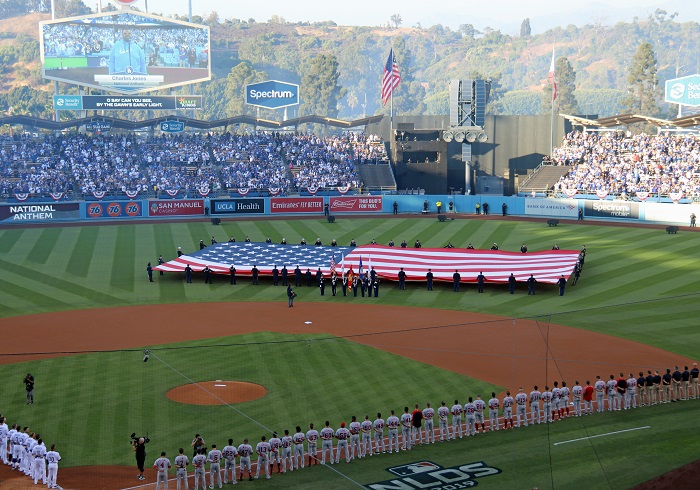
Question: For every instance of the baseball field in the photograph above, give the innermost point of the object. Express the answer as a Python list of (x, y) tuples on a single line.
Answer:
[(77, 311)]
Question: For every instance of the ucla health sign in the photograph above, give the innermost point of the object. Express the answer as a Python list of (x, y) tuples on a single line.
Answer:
[(272, 94), (684, 91)]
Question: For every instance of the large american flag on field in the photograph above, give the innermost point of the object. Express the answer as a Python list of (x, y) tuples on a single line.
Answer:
[(546, 266), (391, 77)]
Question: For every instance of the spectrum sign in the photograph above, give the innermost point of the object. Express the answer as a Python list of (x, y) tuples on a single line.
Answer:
[(272, 94)]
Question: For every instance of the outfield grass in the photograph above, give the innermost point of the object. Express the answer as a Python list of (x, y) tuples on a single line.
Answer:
[(638, 283)]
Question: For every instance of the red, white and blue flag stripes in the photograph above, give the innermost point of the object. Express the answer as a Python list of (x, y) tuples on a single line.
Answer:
[(546, 266), (391, 77)]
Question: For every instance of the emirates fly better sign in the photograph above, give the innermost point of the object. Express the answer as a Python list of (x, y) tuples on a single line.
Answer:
[(684, 91), (272, 94)]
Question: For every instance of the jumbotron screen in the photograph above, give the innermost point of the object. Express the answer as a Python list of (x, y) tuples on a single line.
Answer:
[(125, 52)]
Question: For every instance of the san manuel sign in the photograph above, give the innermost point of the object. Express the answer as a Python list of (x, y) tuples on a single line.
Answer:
[(272, 94), (684, 91)]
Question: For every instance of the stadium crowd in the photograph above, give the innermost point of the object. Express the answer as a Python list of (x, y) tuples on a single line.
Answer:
[(124, 163), (625, 164)]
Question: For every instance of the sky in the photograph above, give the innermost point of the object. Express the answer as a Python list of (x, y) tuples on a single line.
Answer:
[(505, 15)]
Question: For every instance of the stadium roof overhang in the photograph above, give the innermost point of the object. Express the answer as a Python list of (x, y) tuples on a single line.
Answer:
[(686, 122)]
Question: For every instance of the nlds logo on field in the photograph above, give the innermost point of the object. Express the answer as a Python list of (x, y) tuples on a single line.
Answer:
[(425, 474)]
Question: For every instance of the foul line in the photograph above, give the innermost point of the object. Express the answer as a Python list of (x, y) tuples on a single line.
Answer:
[(602, 435)]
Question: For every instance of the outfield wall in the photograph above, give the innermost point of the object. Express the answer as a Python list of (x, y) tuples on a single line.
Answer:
[(366, 204)]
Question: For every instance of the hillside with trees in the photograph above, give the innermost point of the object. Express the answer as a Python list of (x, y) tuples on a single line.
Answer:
[(601, 69)]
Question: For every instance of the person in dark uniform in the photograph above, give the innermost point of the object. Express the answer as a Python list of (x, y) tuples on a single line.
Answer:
[(160, 262), (309, 277), (372, 274), (494, 246), (297, 277), (255, 273), (403, 244), (449, 245), (207, 275), (275, 276), (666, 381), (284, 241), (373, 242), (303, 241), (504, 208), (657, 387), (417, 244), (676, 384), (319, 275), (375, 286), (368, 285), (511, 283), (318, 242), (391, 243), (179, 251), (429, 279), (363, 284), (247, 239), (426, 205), (641, 388), (334, 243), (321, 283), (268, 240), (213, 240), (29, 387), (692, 220), (285, 274), (201, 244), (344, 284), (480, 280), (455, 281), (353, 243), (232, 274), (555, 247), (577, 274), (326, 210), (580, 214), (232, 239), (290, 301), (354, 284), (562, 284), (694, 380), (486, 208), (470, 247), (396, 207), (188, 274), (531, 281), (523, 249), (140, 451), (149, 269), (685, 384), (402, 279), (334, 283)]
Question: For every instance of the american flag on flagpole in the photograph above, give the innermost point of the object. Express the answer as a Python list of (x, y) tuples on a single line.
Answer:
[(552, 78), (332, 268), (391, 77), (546, 266)]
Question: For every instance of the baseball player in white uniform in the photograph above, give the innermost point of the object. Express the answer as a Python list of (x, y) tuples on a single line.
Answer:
[(181, 462), (327, 435), (366, 429), (508, 410), (599, 387), (494, 403), (564, 406), (10, 440), (229, 454), (479, 407), (342, 434), (263, 450), (406, 430), (354, 428), (521, 407), (456, 411), (312, 436), (470, 413), (535, 397), (577, 392), (631, 394), (393, 423), (547, 404), (39, 465), (428, 416), (556, 400), (275, 456), (298, 439), (4, 430), (214, 459), (611, 386), (199, 462), (161, 466), (244, 451), (378, 426), (287, 442), (52, 458), (443, 413)]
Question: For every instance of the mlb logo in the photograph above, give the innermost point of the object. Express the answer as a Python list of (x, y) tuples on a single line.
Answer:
[(414, 468)]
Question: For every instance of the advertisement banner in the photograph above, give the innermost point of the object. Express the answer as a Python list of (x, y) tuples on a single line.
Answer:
[(611, 209), (272, 94), (683, 91), (356, 204), (115, 209), (296, 205), (238, 206), (39, 212), (119, 102), (562, 208), (184, 207)]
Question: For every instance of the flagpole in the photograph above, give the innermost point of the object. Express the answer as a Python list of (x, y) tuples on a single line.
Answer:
[(554, 91), (391, 112)]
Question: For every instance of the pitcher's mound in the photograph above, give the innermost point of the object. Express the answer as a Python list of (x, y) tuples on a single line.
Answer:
[(216, 392)]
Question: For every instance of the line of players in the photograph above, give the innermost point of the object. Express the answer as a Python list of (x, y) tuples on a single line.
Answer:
[(367, 438), (26, 452)]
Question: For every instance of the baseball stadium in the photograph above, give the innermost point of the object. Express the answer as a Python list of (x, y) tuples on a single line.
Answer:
[(245, 279)]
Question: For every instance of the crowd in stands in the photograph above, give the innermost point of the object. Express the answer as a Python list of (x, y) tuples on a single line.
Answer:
[(84, 164), (624, 164)]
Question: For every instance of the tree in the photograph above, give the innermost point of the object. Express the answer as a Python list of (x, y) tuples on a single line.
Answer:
[(319, 90), (71, 8), (565, 77), (525, 29), (468, 31), (352, 101), (240, 76), (642, 86), (396, 20)]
